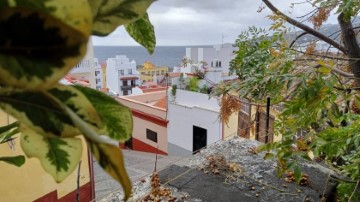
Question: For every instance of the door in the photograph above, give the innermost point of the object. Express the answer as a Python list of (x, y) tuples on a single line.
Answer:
[(244, 125), (128, 143), (261, 127), (199, 138)]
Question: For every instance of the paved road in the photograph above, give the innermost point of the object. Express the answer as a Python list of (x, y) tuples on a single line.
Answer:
[(138, 164)]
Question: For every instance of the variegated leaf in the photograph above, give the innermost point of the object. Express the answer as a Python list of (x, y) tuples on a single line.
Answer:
[(13, 160), (58, 156), (111, 160), (142, 31), (40, 44), (116, 118), (39, 112), (79, 103), (112, 14)]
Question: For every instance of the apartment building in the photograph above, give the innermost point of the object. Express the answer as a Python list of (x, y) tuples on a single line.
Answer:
[(121, 75)]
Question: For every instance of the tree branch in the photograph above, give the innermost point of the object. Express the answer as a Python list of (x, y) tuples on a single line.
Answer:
[(337, 71), (305, 27), (297, 37)]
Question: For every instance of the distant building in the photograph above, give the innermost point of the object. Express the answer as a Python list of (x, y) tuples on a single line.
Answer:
[(150, 122), (121, 75), (149, 72), (99, 79), (86, 68), (215, 61)]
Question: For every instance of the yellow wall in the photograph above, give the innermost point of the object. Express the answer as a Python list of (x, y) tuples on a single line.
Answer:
[(231, 128), (149, 70), (30, 181)]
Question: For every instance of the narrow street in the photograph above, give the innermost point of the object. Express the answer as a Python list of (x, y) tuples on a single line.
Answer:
[(138, 164)]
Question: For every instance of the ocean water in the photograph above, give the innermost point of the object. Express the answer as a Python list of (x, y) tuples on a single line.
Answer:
[(169, 56)]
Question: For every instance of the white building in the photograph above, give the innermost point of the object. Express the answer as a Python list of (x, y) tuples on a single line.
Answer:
[(121, 75), (99, 83), (194, 122), (85, 69), (214, 60)]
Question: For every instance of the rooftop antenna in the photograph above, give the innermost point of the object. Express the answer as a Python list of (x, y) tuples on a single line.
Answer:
[(222, 39)]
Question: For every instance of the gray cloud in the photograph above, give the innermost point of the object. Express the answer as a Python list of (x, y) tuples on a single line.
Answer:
[(203, 22)]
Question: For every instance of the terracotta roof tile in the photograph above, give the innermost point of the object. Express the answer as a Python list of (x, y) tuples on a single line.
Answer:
[(162, 103)]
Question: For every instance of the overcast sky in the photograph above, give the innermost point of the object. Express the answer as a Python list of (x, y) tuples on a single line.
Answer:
[(203, 22)]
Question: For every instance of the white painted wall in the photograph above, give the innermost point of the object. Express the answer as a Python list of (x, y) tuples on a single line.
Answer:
[(193, 99), (98, 73), (192, 109), (192, 54), (113, 75), (85, 69)]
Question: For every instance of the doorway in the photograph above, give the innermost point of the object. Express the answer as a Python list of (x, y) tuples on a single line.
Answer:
[(199, 138)]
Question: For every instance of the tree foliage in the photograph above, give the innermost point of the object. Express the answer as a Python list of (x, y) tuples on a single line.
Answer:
[(317, 89), (40, 41)]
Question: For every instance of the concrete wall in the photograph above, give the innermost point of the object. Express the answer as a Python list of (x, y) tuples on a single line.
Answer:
[(139, 133), (192, 109), (141, 103), (183, 118), (30, 181), (192, 54), (192, 99), (145, 117)]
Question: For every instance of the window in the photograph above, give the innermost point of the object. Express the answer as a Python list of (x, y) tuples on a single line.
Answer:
[(121, 72), (129, 71), (132, 82), (162, 72), (125, 83), (97, 81), (98, 87), (97, 73), (151, 135), (125, 92)]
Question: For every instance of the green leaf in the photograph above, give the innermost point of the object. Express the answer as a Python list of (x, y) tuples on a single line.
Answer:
[(357, 102), (77, 102), (112, 14), (14, 160), (6, 136), (58, 156), (37, 111), (142, 31), (116, 118), (6, 132), (297, 174), (324, 70), (55, 41), (269, 156), (111, 160), (6, 128)]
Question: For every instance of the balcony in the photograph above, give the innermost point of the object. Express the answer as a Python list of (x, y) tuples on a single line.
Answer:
[(129, 87)]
